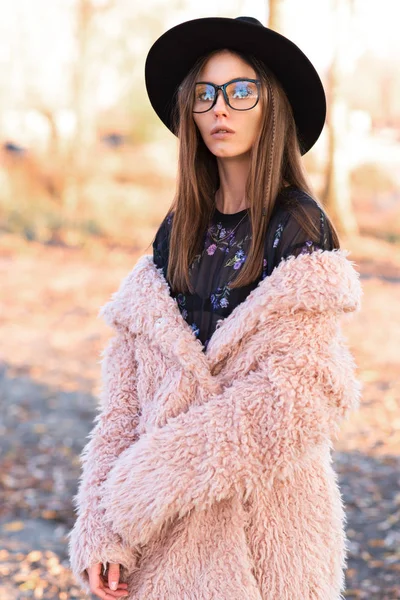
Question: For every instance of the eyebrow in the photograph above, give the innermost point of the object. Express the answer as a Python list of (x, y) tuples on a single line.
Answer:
[(229, 80)]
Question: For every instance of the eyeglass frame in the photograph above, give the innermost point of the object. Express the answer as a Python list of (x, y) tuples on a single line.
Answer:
[(223, 88)]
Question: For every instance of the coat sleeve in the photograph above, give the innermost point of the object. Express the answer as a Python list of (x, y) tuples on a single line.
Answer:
[(91, 540), (257, 429)]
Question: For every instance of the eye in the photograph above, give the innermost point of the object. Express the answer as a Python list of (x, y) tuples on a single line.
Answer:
[(242, 89), (204, 92)]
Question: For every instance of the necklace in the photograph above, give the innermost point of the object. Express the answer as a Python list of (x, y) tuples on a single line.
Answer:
[(219, 240)]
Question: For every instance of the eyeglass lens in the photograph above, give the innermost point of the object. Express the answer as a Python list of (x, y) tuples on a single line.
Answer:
[(242, 95)]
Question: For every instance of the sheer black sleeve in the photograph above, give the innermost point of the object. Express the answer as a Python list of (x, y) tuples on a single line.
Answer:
[(295, 240), (161, 245)]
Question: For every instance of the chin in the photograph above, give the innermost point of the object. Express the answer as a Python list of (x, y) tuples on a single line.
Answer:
[(225, 149), (228, 153)]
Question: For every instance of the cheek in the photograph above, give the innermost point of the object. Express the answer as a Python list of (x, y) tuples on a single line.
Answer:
[(200, 126), (255, 125)]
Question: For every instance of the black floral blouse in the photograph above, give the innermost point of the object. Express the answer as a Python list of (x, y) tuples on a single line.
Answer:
[(225, 248)]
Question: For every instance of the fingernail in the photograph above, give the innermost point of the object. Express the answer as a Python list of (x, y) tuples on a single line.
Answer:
[(113, 585)]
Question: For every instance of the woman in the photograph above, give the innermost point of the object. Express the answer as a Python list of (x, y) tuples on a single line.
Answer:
[(208, 474)]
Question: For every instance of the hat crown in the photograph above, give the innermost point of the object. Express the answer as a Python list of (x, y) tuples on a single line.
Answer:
[(249, 20)]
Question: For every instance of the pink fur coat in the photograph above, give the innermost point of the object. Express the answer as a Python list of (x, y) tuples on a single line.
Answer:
[(208, 475)]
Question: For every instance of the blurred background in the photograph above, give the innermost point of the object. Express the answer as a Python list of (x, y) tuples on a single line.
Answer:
[(87, 172)]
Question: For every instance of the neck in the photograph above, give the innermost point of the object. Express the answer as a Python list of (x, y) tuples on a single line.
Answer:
[(231, 194), (228, 206)]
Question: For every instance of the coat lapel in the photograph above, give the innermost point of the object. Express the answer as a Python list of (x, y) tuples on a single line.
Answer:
[(323, 280)]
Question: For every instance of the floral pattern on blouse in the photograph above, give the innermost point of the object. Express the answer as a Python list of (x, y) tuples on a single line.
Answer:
[(220, 297)]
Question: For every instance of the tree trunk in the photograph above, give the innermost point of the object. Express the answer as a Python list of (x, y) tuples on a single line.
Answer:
[(276, 15), (85, 134), (337, 193)]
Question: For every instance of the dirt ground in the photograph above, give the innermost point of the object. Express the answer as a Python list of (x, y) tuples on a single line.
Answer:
[(50, 344)]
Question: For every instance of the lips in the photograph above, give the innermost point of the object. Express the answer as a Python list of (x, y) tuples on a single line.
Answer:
[(220, 135), (217, 129)]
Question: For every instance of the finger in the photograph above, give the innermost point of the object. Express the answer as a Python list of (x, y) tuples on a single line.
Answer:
[(120, 584), (117, 594), (108, 594), (94, 575), (99, 593), (120, 592), (113, 576), (104, 580), (99, 586), (96, 582)]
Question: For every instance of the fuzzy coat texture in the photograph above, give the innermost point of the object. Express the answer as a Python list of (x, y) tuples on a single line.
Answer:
[(208, 475)]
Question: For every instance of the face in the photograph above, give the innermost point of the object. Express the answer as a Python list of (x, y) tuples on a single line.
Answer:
[(219, 69)]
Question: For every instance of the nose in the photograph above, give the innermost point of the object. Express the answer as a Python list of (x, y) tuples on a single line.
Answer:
[(220, 105)]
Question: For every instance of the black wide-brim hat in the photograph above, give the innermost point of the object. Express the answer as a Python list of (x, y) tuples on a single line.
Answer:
[(174, 53)]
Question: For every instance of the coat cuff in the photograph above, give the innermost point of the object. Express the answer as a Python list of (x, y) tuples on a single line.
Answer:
[(91, 543)]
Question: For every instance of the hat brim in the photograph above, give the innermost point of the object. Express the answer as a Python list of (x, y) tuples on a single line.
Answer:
[(174, 53)]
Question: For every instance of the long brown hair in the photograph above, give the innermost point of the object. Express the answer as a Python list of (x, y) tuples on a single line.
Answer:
[(275, 161)]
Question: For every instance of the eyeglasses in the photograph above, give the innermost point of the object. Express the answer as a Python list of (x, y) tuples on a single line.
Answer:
[(239, 94)]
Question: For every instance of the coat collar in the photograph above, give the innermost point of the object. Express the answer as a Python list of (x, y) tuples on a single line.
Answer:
[(321, 281)]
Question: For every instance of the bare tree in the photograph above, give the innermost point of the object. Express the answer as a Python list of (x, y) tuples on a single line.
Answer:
[(276, 14), (337, 193), (85, 117)]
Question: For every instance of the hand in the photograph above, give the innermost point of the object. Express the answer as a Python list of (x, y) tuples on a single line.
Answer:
[(102, 585)]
